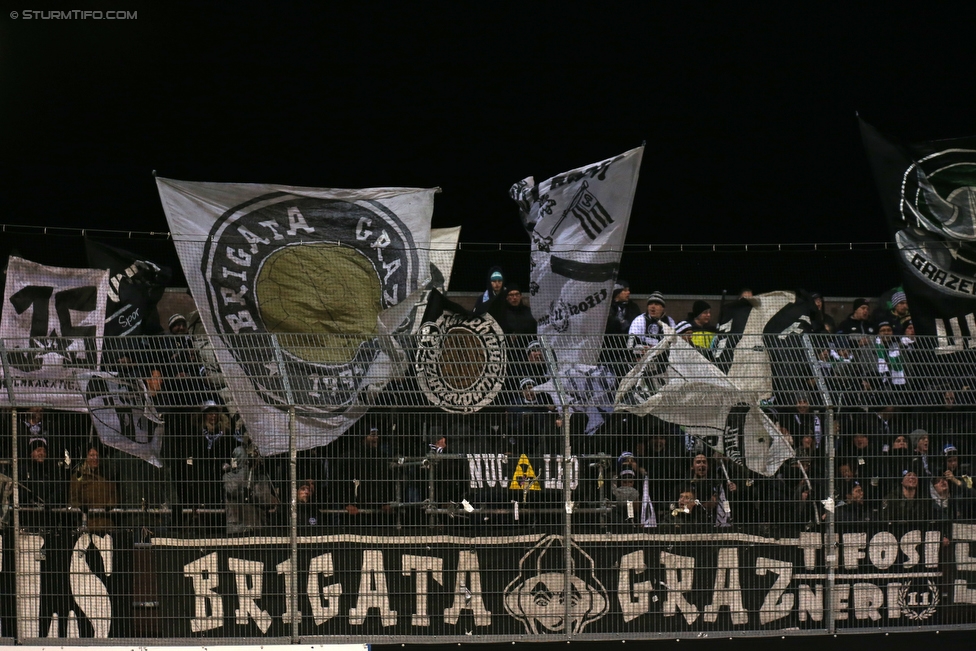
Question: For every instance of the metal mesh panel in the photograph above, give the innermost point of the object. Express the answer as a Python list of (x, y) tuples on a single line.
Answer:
[(473, 486)]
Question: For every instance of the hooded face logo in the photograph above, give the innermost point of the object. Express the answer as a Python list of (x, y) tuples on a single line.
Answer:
[(542, 598)]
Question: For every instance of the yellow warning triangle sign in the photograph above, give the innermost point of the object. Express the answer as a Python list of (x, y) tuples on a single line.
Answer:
[(524, 474)]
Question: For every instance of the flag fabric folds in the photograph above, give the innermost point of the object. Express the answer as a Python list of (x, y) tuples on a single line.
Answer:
[(52, 325), (123, 415), (717, 394), (135, 287), (298, 284), (928, 191), (577, 222)]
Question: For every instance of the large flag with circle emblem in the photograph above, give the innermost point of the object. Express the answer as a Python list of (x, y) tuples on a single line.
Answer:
[(297, 284)]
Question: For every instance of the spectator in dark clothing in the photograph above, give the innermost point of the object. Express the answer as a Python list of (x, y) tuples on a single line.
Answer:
[(905, 505), (623, 311), (198, 446), (921, 463), (827, 323), (250, 497), (365, 485), (44, 485), (687, 511), (307, 507), (854, 508), (858, 326), (960, 484), (515, 318), (496, 287), (531, 420)]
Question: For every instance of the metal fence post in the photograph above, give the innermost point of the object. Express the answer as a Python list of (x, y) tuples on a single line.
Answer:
[(830, 536)]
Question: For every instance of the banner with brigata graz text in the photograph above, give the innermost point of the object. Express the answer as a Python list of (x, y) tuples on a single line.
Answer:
[(603, 586)]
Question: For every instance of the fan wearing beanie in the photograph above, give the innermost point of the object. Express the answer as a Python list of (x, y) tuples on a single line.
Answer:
[(647, 330), (700, 318), (858, 327)]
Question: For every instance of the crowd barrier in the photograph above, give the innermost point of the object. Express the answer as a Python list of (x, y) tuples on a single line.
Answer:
[(457, 484)]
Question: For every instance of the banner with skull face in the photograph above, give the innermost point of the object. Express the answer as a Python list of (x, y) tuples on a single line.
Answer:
[(928, 191), (301, 286)]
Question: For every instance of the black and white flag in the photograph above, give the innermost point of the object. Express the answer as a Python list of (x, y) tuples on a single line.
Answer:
[(928, 191), (135, 287), (577, 222), (297, 283), (52, 326), (718, 400), (123, 415), (460, 358)]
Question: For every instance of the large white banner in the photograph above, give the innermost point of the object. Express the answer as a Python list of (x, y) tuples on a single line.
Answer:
[(577, 222), (52, 324), (443, 246), (299, 284)]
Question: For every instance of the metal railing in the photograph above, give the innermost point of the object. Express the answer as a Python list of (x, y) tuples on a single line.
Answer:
[(767, 485)]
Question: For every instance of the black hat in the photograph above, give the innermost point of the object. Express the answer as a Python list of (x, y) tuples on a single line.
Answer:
[(858, 302), (513, 287), (697, 308), (37, 442)]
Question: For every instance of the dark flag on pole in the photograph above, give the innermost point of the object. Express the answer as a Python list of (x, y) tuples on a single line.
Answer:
[(135, 287), (928, 191)]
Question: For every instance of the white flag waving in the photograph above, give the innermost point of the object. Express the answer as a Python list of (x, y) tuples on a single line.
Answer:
[(577, 221), (53, 321), (296, 282)]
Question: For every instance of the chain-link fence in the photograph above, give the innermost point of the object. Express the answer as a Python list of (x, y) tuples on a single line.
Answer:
[(459, 481)]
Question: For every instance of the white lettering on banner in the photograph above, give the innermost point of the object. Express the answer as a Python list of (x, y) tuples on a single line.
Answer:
[(557, 483), (296, 222), (208, 606), (839, 597), (323, 598), (373, 592), (486, 468), (883, 550), (634, 598), (778, 603), (249, 579), (811, 602), (420, 567), (894, 589), (90, 593), (868, 599), (679, 575), (284, 570), (861, 594), (467, 592), (29, 580), (727, 591), (854, 544)]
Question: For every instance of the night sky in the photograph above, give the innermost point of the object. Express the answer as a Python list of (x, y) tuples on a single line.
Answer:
[(749, 116)]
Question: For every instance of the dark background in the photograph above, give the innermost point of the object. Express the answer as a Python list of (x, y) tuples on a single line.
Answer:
[(748, 113)]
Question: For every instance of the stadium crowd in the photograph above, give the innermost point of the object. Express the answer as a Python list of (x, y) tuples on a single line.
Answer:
[(903, 442)]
